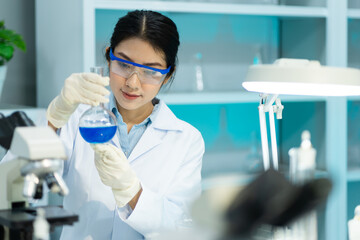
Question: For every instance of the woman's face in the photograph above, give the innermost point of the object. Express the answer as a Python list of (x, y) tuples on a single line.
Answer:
[(130, 93)]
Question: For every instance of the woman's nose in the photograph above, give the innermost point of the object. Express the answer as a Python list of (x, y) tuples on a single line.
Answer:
[(133, 81)]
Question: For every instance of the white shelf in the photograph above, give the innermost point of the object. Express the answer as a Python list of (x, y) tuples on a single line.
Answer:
[(353, 175), (354, 13), (227, 97), (353, 98), (219, 8)]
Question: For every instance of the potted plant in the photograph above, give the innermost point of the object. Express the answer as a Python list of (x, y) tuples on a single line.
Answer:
[(9, 40)]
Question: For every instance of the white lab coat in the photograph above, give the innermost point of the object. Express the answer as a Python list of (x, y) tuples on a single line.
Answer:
[(167, 160)]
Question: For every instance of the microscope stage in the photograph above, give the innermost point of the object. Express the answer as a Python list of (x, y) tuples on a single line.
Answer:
[(23, 218)]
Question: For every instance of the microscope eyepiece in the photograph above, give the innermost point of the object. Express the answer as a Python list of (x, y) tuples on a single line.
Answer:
[(31, 182)]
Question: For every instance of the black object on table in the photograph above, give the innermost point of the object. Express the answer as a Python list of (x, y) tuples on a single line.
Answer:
[(8, 125), (20, 220)]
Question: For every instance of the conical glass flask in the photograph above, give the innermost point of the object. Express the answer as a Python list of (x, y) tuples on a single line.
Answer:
[(97, 124)]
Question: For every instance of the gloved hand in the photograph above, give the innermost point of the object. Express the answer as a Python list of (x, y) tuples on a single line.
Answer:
[(115, 172), (87, 88)]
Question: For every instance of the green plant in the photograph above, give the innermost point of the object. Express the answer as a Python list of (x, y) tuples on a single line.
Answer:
[(8, 41)]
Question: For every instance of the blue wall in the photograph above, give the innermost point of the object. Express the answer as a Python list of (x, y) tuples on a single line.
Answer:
[(232, 133)]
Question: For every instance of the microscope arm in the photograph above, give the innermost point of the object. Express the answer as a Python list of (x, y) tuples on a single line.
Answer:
[(11, 182)]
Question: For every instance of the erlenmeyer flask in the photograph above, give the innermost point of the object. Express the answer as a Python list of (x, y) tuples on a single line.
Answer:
[(97, 124)]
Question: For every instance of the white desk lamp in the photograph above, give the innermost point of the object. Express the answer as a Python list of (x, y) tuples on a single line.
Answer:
[(294, 77)]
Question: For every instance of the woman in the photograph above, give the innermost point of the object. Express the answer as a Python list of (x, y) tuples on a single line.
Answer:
[(145, 179)]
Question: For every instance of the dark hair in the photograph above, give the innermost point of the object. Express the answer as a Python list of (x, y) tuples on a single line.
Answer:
[(153, 27)]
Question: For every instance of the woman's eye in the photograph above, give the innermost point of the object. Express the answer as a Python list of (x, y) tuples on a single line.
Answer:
[(151, 73), (123, 65)]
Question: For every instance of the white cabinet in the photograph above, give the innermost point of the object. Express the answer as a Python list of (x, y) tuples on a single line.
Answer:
[(72, 36)]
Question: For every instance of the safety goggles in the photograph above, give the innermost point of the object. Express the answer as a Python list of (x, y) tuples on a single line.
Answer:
[(146, 74)]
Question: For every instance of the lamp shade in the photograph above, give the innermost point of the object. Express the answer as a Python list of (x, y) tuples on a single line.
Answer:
[(302, 77)]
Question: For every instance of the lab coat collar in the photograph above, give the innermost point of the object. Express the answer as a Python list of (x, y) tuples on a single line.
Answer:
[(164, 120)]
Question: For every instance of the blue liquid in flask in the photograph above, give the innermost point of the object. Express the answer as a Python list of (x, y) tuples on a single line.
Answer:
[(97, 134)]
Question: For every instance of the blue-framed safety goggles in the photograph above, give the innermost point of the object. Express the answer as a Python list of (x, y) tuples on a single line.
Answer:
[(146, 74)]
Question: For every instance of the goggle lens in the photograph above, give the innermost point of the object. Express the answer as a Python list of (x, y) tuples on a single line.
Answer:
[(145, 75)]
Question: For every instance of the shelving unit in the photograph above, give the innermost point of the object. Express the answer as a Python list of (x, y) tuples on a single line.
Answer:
[(317, 33), (278, 11), (353, 175), (80, 29)]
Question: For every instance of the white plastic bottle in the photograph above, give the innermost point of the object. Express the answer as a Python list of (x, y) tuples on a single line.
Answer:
[(302, 170), (198, 74), (354, 225), (258, 57), (41, 226)]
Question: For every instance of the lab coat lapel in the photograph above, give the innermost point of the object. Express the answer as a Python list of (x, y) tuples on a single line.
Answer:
[(164, 121), (149, 140), (116, 140)]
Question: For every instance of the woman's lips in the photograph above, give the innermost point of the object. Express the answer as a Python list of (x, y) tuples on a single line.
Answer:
[(130, 96)]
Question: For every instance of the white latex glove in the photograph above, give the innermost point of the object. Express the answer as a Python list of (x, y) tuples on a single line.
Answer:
[(87, 88), (115, 172)]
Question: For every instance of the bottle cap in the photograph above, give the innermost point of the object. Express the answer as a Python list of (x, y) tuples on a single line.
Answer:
[(357, 211)]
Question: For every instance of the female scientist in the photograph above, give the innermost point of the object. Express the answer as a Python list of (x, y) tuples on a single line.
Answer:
[(145, 179)]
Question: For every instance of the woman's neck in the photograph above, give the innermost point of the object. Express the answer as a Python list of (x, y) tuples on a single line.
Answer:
[(132, 117)]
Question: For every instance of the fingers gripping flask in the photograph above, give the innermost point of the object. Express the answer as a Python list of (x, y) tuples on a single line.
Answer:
[(97, 124)]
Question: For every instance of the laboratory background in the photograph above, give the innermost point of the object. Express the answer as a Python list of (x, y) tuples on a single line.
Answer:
[(220, 39)]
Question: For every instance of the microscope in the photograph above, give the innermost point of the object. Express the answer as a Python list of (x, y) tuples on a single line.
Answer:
[(39, 158)]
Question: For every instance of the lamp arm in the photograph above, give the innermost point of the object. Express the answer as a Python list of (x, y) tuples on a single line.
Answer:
[(264, 140), (267, 106), (273, 139)]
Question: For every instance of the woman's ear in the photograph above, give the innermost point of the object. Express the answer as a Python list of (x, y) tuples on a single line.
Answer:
[(169, 77), (107, 53), (166, 79)]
